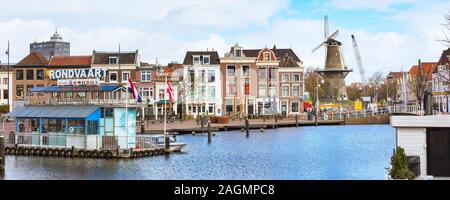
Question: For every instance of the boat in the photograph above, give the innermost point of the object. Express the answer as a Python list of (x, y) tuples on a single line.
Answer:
[(175, 146)]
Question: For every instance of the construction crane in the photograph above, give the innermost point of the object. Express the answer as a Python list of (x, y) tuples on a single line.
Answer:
[(359, 61)]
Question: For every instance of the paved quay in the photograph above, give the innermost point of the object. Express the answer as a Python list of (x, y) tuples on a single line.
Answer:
[(190, 126)]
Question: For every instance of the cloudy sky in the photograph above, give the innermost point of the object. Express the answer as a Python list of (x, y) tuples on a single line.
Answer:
[(392, 34)]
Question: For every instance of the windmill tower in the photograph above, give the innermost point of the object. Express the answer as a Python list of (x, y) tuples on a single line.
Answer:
[(335, 69)]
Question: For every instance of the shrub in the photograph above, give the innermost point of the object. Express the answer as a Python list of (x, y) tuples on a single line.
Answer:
[(4, 109), (399, 164)]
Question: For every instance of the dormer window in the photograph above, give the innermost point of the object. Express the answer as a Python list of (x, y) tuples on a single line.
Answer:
[(266, 56), (237, 53), (206, 60), (113, 60), (196, 59)]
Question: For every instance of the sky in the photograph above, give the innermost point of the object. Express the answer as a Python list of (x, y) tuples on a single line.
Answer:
[(392, 34)]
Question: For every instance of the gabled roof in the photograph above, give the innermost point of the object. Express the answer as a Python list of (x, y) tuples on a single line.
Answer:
[(395, 74), (70, 61), (33, 59), (445, 58), (428, 68), (279, 53), (213, 55), (102, 58)]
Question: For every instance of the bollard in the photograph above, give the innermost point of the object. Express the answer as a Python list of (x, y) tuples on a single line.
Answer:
[(118, 151), (209, 132), (73, 151), (296, 120), (167, 143), (247, 132), (2, 155)]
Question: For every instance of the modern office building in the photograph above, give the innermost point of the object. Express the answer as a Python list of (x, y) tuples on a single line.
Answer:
[(55, 47)]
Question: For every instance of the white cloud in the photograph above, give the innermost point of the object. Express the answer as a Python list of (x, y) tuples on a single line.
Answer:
[(379, 5)]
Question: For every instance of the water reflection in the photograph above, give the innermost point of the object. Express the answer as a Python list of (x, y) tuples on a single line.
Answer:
[(325, 152)]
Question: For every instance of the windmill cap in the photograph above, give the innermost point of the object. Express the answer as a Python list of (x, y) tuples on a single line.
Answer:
[(353, 36)]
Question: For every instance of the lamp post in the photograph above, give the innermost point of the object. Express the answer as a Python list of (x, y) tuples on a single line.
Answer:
[(7, 53), (317, 98)]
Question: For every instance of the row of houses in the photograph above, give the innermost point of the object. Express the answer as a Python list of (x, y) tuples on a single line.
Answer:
[(263, 81), (429, 77)]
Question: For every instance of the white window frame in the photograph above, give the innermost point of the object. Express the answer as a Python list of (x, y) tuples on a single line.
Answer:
[(288, 91), (235, 53), (264, 56), (234, 71), (249, 71), (283, 77), (145, 73), (126, 72), (193, 59), (298, 90), (209, 60), (115, 57)]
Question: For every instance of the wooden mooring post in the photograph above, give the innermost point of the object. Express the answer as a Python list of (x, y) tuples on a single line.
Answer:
[(296, 120), (247, 127), (209, 132), (2, 155)]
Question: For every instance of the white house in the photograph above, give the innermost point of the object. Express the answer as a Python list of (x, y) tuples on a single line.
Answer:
[(6, 85), (202, 83), (427, 137)]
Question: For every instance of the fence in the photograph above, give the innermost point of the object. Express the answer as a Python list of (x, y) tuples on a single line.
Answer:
[(90, 142)]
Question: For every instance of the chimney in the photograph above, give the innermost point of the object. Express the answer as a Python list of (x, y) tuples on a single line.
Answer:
[(52, 53)]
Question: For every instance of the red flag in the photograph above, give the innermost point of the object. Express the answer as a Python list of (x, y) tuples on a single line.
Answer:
[(169, 90)]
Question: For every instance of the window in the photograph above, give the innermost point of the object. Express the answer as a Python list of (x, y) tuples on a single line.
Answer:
[(230, 71), (206, 60), (109, 112), (294, 106), (246, 87), (295, 77), (266, 56), (211, 76), (151, 93), (19, 74), (262, 74), (231, 89), (40, 74), (211, 92), (125, 76), (262, 90), (113, 76), (113, 60), (19, 90), (272, 74), (29, 87), (145, 76), (5, 81), (196, 59), (285, 77), (211, 108), (229, 105), (145, 92), (5, 94), (161, 93), (272, 90), (296, 91), (285, 91), (238, 53), (246, 71), (191, 75)]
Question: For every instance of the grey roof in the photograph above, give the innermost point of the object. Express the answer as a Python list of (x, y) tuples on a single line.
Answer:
[(54, 111)]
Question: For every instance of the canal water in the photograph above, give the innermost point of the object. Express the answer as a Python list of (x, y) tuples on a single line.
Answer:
[(305, 153)]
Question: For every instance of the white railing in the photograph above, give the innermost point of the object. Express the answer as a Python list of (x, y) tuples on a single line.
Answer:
[(90, 142), (408, 109)]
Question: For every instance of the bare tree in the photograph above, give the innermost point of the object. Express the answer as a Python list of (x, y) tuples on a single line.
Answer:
[(446, 39), (418, 83)]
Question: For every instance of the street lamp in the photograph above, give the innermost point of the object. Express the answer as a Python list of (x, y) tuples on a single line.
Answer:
[(317, 97)]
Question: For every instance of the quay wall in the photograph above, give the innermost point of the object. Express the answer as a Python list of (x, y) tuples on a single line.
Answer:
[(380, 119)]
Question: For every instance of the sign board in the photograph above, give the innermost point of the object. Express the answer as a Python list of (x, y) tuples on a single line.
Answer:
[(366, 99), (77, 73), (78, 82)]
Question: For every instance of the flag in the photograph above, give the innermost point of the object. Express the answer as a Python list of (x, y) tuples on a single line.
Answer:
[(133, 90), (169, 91)]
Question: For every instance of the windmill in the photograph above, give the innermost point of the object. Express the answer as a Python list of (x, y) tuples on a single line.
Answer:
[(335, 69)]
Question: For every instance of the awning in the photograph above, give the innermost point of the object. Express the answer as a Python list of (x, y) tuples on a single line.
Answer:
[(53, 111), (102, 88)]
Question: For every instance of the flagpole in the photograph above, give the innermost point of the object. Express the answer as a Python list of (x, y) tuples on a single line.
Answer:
[(165, 115), (9, 91)]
